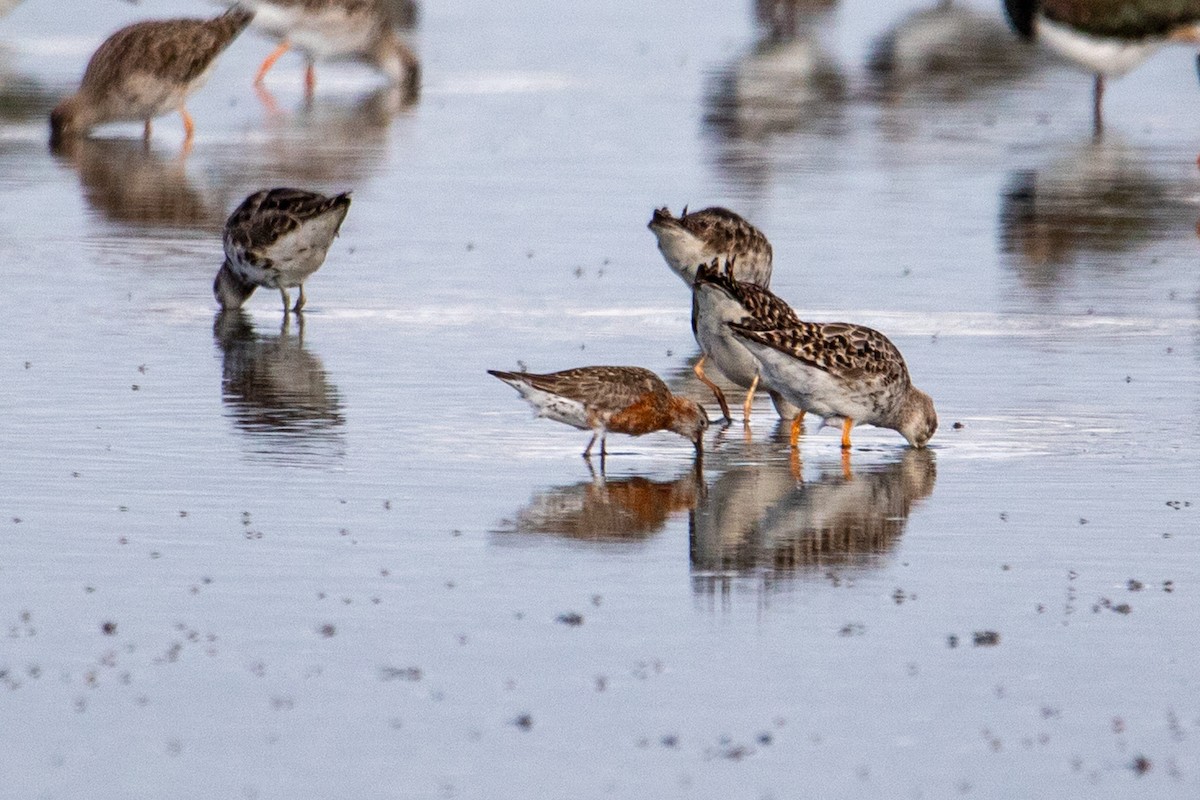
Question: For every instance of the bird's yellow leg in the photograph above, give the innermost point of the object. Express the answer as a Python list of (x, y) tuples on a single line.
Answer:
[(749, 398), (270, 60), (716, 390), (847, 424)]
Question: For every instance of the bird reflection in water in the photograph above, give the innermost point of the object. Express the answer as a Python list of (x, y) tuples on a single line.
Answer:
[(1092, 206), (277, 392), (758, 521), (125, 181), (327, 143), (608, 510), (787, 83), (946, 52)]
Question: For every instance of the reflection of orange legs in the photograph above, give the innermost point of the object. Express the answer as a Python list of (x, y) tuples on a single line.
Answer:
[(847, 424), (270, 60), (846, 474), (796, 465), (797, 429), (699, 370), (189, 129), (749, 398)]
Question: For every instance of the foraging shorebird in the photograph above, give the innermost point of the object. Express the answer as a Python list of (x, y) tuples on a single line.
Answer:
[(146, 70), (628, 400), (843, 373), (331, 30), (692, 239), (1108, 37), (718, 299), (277, 238)]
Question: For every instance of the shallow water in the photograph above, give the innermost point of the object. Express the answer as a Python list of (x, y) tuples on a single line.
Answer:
[(332, 557)]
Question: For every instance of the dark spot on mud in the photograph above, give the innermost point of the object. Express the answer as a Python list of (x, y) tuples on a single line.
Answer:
[(109, 628), (524, 722), (1141, 765), (958, 426), (570, 618), (411, 674), (1135, 585), (327, 630), (985, 638)]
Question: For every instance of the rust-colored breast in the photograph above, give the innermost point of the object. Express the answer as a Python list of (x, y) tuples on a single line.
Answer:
[(644, 415)]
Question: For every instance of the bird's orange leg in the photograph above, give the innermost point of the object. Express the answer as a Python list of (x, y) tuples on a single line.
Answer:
[(847, 424), (699, 370), (797, 429), (749, 399), (270, 60)]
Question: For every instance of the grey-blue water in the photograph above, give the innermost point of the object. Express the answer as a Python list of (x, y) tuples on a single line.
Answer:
[(333, 558)]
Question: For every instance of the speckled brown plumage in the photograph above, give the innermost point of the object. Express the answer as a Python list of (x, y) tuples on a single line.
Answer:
[(336, 29), (845, 372), (276, 238), (764, 310), (840, 348), (629, 400), (719, 298), (693, 239), (145, 70)]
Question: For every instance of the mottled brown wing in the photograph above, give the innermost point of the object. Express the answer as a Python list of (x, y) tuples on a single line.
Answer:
[(177, 50), (1120, 18), (266, 216), (842, 349), (764, 309), (604, 389)]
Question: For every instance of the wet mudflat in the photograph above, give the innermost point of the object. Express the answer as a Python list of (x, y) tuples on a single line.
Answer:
[(244, 557)]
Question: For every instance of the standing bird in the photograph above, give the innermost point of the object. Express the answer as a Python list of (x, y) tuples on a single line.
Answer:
[(718, 299), (146, 70), (1109, 37), (692, 239), (331, 30), (277, 238), (843, 372), (627, 400)]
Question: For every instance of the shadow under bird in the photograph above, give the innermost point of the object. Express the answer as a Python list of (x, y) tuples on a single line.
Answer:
[(843, 373), (718, 299), (146, 70), (1108, 37), (629, 400), (692, 239), (277, 238), (333, 30)]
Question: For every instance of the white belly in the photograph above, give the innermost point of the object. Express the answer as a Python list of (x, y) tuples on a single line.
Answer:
[(1106, 56), (812, 389), (555, 407)]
